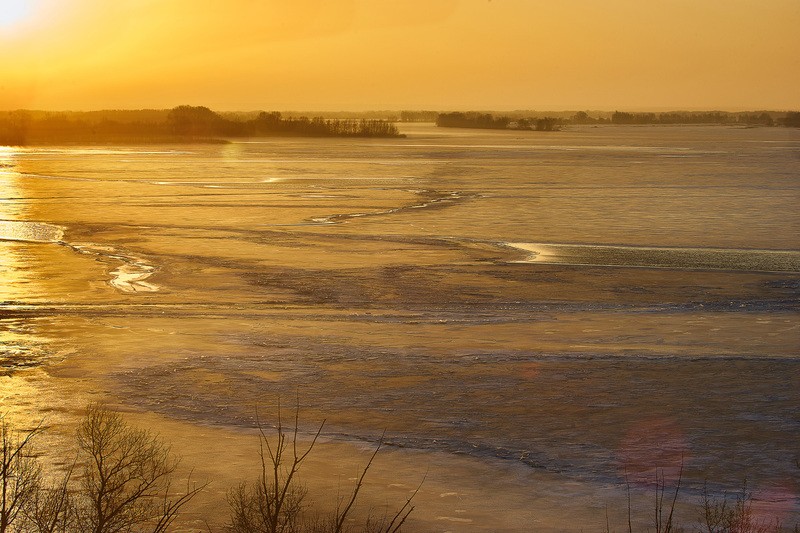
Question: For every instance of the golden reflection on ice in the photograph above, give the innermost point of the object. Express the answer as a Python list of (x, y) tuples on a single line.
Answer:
[(232, 151), (15, 395), (6, 174), (12, 230), (11, 276), (15, 278), (10, 269), (12, 208), (129, 277)]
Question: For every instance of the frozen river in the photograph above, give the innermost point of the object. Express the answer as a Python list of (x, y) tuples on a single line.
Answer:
[(555, 311)]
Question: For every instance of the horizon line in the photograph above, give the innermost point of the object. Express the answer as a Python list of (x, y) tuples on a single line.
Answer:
[(548, 109)]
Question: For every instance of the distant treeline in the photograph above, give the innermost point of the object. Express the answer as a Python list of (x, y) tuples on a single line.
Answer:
[(181, 124), (391, 116), (516, 121), (418, 116), (709, 117), (489, 121), (201, 122)]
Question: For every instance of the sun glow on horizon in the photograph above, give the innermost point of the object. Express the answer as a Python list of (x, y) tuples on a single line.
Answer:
[(14, 12), (363, 54)]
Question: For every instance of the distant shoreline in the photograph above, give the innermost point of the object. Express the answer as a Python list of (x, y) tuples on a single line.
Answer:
[(200, 125), (182, 124), (547, 122)]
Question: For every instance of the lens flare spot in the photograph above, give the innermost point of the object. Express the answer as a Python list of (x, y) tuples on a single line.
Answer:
[(653, 451)]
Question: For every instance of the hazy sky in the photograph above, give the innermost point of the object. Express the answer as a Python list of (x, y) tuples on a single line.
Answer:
[(400, 54)]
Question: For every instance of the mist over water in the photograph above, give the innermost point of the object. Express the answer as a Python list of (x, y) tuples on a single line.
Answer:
[(592, 303)]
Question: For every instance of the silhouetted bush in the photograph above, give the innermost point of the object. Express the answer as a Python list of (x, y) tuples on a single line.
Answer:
[(20, 475), (125, 474), (125, 483), (274, 503), (127, 477)]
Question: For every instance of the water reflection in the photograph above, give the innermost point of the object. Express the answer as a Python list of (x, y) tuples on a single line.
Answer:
[(8, 177), (21, 344), (15, 352), (10, 269)]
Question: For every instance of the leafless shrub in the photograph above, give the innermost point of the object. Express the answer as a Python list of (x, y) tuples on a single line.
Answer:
[(51, 508), (121, 482), (20, 473), (721, 515), (666, 525), (126, 477), (372, 525), (275, 502)]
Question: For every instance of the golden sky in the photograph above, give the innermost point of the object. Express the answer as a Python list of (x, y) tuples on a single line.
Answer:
[(400, 54)]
